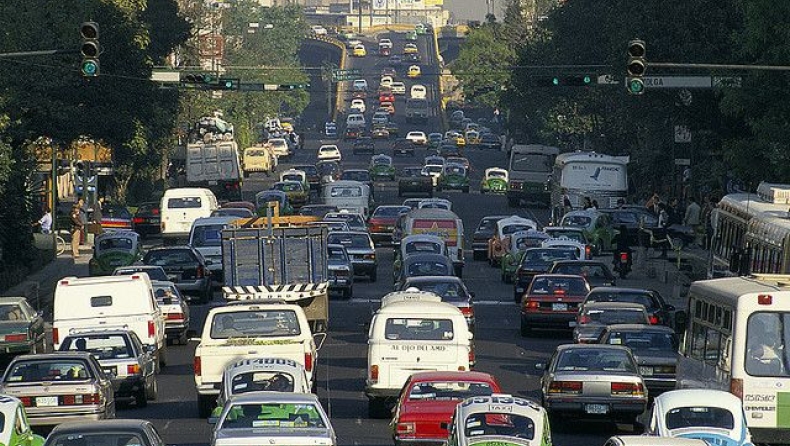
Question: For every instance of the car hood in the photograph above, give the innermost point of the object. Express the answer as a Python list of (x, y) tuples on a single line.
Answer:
[(430, 410), (718, 437), (289, 436), (499, 440)]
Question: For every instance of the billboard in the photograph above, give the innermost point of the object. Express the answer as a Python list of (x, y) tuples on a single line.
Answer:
[(405, 4)]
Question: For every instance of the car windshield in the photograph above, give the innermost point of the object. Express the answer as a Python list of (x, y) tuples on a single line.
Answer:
[(579, 221), (269, 197), (449, 291), (581, 359), (448, 390), (168, 257), (585, 269), (412, 172), (327, 168), (273, 416), (433, 169), (546, 256), (147, 208), (12, 313), (255, 324), (644, 340), (497, 174), (511, 229), (57, 370), (350, 241), (415, 329), (558, 285), (389, 211), (103, 438), (288, 187), (699, 416), (423, 248), (121, 243), (500, 424), (523, 243), (345, 191), (428, 268), (337, 254), (382, 161), (292, 177), (572, 235), (630, 297), (184, 203), (207, 235), (232, 212), (454, 170), (101, 346), (256, 152), (261, 380), (611, 316), (164, 291), (531, 162), (308, 170), (356, 175), (487, 224), (768, 341)]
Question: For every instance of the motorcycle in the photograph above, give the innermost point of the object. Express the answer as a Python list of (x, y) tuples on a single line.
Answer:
[(622, 263)]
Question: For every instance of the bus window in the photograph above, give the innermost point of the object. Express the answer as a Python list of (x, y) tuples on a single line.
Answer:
[(767, 335)]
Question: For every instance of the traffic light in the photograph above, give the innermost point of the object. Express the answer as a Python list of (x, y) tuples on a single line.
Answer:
[(90, 49), (636, 67), (291, 87), (228, 84), (199, 78)]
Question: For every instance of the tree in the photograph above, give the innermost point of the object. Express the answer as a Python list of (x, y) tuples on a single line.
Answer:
[(483, 65)]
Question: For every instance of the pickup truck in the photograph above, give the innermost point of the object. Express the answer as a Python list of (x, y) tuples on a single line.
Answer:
[(249, 329)]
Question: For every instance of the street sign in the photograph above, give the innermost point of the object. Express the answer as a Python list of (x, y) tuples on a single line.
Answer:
[(608, 79), (682, 162), (682, 134), (677, 82), (341, 73)]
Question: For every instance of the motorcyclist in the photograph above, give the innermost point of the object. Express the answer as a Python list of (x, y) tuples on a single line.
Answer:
[(622, 244)]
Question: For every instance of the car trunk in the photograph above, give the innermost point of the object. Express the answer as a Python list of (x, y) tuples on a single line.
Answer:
[(52, 398), (428, 417), (214, 358)]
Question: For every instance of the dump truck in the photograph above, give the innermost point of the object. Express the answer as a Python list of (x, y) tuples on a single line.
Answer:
[(212, 159), (278, 258)]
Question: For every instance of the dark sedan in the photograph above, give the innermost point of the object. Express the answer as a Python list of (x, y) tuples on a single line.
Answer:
[(485, 230), (317, 210), (382, 222), (659, 312), (536, 261), (116, 216), (360, 249), (364, 145), (404, 147), (146, 220), (185, 267), (412, 181), (424, 265), (21, 327), (655, 349), (115, 432), (596, 272), (490, 141)]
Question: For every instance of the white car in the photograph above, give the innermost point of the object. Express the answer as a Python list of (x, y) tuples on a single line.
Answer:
[(386, 81), (273, 418), (418, 138), (385, 43), (353, 42), (715, 416), (329, 152), (359, 85), (434, 171), (357, 106), (419, 92), (398, 88), (435, 203), (318, 30), (499, 419)]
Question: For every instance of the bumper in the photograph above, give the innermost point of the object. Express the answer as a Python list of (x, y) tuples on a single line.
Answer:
[(614, 408), (197, 286), (53, 418), (364, 267), (127, 387), (175, 330), (379, 392), (207, 389), (381, 236), (559, 319), (419, 440), (147, 228), (340, 284), (217, 273), (659, 385), (770, 436), (16, 348)]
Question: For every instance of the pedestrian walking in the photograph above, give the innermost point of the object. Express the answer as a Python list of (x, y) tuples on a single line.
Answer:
[(663, 223), (76, 229), (692, 218), (652, 203), (45, 222)]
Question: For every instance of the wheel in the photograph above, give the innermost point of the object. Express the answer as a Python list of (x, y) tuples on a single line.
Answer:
[(205, 404), (377, 408), (152, 392), (373, 276), (141, 398), (526, 330)]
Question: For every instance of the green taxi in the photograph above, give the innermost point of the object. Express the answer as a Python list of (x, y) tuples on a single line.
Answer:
[(597, 226), (296, 175), (420, 29), (411, 36), (16, 429), (519, 243), (453, 176), (381, 167), (295, 191), (494, 181), (113, 249)]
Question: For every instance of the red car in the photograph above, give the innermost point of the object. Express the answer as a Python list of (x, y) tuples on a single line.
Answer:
[(382, 222), (426, 403), (552, 301), (386, 96)]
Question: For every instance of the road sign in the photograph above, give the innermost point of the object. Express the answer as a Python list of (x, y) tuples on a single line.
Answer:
[(682, 134), (341, 73), (608, 79), (677, 82), (682, 162)]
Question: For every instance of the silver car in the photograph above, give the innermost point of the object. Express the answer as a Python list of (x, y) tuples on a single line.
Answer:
[(175, 309), (341, 271), (278, 418), (60, 387), (360, 248), (593, 381), (655, 348), (595, 316)]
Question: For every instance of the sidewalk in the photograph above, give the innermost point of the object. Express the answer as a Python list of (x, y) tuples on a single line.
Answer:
[(39, 287), (664, 276)]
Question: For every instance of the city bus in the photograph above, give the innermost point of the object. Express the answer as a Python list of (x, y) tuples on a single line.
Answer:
[(738, 340), (529, 172)]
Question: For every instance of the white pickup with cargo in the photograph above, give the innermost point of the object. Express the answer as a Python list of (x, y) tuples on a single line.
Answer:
[(413, 331), (244, 330), (107, 303)]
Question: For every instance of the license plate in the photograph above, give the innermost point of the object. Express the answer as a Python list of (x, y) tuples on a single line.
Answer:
[(596, 409), (212, 183), (646, 371), (415, 183), (46, 401), (173, 277), (559, 307), (402, 151)]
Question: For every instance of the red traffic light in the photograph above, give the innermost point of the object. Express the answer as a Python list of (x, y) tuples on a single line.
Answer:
[(636, 48), (89, 30)]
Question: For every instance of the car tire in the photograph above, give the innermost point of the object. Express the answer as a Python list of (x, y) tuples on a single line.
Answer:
[(525, 330), (205, 405), (152, 392), (377, 408)]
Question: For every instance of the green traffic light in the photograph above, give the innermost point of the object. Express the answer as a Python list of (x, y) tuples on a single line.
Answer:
[(89, 68), (587, 79), (555, 81), (636, 86)]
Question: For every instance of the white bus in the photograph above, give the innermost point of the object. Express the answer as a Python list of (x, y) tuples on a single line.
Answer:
[(738, 340)]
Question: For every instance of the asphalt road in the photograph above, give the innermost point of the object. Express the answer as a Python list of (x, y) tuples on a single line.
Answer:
[(342, 360)]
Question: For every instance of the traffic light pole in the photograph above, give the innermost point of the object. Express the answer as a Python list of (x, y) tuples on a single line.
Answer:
[(711, 66), (36, 53)]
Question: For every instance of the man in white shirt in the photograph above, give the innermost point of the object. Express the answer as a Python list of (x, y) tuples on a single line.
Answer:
[(45, 221)]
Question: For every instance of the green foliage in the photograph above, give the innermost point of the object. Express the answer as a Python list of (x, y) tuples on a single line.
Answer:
[(483, 64)]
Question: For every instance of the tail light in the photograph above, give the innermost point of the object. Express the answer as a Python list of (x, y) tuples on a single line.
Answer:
[(132, 369), (404, 428), (197, 366), (624, 257), (26, 401), (468, 311), (200, 272), (138, 220), (374, 373), (736, 387), (631, 389), (175, 316), (588, 251), (151, 329), (308, 362), (531, 305), (55, 337), (17, 337), (75, 400), (559, 291), (155, 211), (653, 320), (574, 387), (584, 319), (370, 257)]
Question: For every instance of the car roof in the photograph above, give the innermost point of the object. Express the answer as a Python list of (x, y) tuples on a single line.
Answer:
[(452, 376), (432, 213), (274, 397), (422, 238), (417, 279), (699, 397), (54, 355), (420, 308), (649, 440), (11, 300), (617, 305), (579, 262), (519, 405), (558, 276), (98, 331), (564, 347), (430, 257), (215, 220), (641, 327), (105, 425), (264, 363), (617, 289)]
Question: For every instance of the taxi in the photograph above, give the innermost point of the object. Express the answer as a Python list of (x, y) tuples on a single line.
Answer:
[(381, 166), (414, 71), (294, 190), (411, 36), (495, 181), (114, 249), (261, 374), (410, 48), (296, 175), (16, 431), (597, 227), (519, 243), (501, 420), (472, 137), (499, 243), (359, 51), (715, 416), (582, 251)]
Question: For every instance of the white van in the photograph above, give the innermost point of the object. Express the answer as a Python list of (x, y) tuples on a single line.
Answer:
[(109, 302), (206, 238), (413, 331), (180, 208), (418, 92), (352, 196), (355, 120)]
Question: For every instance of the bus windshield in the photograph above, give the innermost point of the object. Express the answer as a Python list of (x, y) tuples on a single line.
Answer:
[(531, 162), (768, 338)]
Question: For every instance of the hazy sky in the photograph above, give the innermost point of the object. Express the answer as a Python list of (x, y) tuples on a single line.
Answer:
[(464, 10)]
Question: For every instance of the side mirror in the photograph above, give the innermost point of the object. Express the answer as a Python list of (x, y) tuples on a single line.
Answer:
[(150, 348), (213, 420), (319, 339), (540, 366)]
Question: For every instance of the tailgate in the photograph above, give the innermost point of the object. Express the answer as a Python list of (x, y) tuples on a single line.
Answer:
[(214, 359), (402, 360)]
